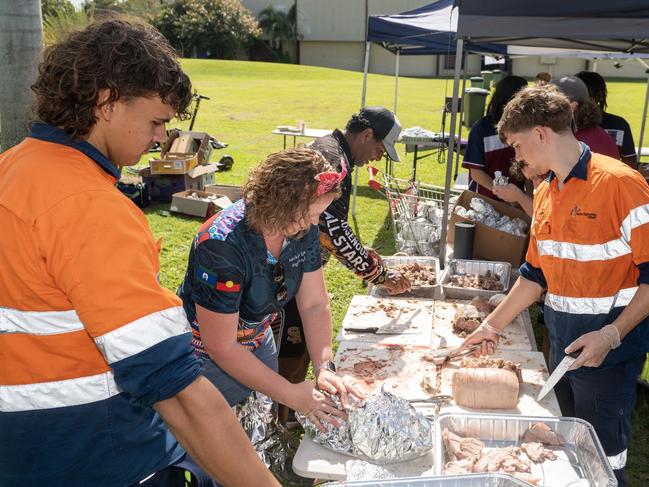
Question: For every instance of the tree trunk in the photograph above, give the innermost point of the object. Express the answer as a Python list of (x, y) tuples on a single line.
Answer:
[(21, 45)]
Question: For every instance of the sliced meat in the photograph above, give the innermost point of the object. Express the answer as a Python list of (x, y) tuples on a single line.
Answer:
[(484, 383), (458, 467), (471, 448), (537, 452), (418, 274), (542, 433), (508, 459), (489, 281), (452, 443)]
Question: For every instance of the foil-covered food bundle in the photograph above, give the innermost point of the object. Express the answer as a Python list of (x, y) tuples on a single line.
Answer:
[(483, 212), (383, 429), (272, 442), (499, 179)]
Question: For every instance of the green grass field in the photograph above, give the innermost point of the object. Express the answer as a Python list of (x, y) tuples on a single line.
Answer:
[(248, 100)]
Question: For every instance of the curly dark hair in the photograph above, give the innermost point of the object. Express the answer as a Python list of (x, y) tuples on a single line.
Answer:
[(543, 105), (357, 123), (587, 115), (280, 190), (128, 58)]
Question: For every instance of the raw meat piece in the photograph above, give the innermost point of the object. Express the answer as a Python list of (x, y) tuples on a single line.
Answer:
[(537, 453), (486, 384), (541, 432)]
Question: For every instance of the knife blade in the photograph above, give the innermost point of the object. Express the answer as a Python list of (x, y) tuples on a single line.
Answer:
[(558, 373)]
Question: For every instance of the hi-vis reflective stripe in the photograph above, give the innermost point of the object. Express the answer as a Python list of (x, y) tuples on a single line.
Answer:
[(38, 322), (604, 251), (636, 217), (58, 394), (618, 461), (143, 333), (589, 306), (583, 252)]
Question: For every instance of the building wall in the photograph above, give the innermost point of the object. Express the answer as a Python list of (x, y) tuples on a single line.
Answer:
[(333, 33)]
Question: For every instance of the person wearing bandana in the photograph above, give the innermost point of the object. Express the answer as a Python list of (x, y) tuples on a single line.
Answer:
[(245, 264), (368, 136)]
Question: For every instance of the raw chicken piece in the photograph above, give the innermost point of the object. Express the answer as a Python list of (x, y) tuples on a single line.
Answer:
[(541, 432), (537, 452)]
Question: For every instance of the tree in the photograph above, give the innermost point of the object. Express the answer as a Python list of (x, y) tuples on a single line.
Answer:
[(50, 8), (207, 28), (21, 42), (59, 25), (280, 26)]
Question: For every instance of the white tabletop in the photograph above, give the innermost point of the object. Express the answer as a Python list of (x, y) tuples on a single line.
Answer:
[(312, 133)]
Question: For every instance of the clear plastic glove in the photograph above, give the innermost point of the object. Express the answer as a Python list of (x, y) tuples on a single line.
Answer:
[(510, 193), (329, 382), (486, 338), (396, 283), (308, 400), (594, 348)]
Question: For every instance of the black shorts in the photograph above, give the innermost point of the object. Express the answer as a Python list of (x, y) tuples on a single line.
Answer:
[(289, 324)]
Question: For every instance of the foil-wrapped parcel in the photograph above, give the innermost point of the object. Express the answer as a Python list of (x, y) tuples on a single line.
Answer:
[(383, 429), (483, 212)]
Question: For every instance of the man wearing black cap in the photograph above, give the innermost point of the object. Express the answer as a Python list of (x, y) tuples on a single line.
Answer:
[(368, 135)]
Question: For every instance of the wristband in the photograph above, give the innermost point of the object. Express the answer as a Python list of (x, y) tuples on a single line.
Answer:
[(326, 365), (612, 334)]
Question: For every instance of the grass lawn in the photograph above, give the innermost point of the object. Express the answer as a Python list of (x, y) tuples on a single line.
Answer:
[(248, 100)]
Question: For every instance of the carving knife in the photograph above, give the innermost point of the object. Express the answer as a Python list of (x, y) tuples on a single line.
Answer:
[(558, 373)]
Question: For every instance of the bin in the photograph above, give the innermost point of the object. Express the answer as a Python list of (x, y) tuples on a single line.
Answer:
[(487, 76), (474, 105), (477, 82), (496, 76)]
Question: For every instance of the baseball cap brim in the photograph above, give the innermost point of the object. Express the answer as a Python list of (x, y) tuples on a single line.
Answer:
[(390, 149), (390, 139)]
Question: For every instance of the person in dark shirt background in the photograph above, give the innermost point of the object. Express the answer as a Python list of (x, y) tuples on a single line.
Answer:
[(617, 127)]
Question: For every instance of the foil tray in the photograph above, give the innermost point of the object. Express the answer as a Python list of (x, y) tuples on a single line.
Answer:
[(477, 480), (421, 292), (581, 460), (459, 266)]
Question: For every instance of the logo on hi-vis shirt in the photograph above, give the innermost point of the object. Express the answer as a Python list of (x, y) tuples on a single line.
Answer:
[(578, 212)]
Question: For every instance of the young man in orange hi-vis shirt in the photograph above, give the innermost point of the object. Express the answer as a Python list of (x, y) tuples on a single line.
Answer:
[(589, 248), (96, 363)]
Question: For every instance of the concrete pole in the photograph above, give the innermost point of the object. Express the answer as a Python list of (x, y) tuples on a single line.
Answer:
[(21, 45)]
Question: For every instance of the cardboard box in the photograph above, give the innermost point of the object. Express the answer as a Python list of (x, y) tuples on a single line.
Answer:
[(182, 203), (171, 162), (232, 192), (490, 243), (162, 187)]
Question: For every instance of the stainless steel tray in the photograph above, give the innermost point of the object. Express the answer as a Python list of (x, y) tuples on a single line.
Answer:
[(477, 480), (581, 457), (422, 292), (459, 266)]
